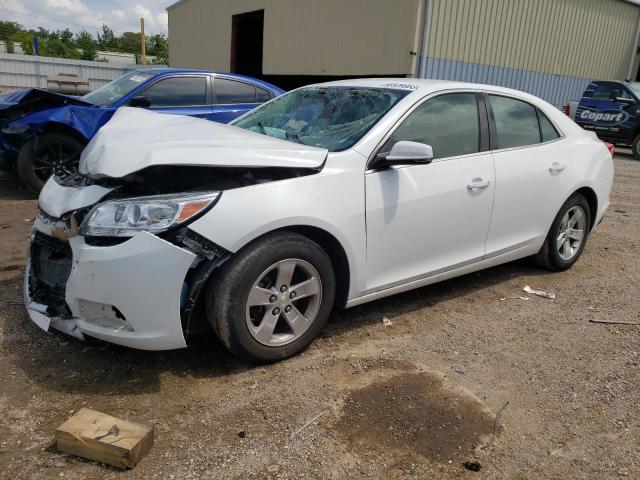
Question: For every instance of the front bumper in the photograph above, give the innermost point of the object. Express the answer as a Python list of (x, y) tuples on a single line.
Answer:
[(128, 294)]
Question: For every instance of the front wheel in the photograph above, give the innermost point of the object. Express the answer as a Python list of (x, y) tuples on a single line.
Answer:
[(46, 155), (272, 299), (567, 236)]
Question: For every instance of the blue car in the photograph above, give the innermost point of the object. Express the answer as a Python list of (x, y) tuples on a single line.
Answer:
[(44, 132)]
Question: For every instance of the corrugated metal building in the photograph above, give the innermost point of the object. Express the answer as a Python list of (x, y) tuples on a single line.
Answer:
[(550, 48)]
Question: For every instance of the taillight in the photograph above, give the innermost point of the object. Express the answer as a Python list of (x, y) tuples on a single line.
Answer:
[(610, 147), (566, 109)]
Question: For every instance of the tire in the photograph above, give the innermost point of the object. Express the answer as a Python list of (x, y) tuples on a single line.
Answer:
[(556, 254), (39, 157), (259, 267), (635, 148)]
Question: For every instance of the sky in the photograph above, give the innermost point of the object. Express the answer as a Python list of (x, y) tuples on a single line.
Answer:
[(89, 15)]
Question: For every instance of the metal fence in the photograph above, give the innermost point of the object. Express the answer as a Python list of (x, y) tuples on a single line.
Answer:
[(21, 71)]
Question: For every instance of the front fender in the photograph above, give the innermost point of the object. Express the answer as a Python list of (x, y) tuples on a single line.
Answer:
[(330, 200)]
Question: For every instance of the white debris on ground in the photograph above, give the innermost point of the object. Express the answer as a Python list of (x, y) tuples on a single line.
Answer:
[(539, 293)]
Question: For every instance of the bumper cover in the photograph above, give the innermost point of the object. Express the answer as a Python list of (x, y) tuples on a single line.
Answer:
[(128, 294)]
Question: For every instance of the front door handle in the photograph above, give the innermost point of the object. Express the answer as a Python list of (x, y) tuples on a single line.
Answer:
[(556, 167), (478, 184)]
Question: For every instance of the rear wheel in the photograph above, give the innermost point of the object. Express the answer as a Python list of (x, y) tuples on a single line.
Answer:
[(272, 299), (567, 236), (635, 147), (45, 155)]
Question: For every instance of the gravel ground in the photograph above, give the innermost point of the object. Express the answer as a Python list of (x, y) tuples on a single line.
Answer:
[(414, 399)]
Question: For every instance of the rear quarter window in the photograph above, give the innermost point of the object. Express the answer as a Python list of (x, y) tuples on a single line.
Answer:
[(262, 95), (547, 131)]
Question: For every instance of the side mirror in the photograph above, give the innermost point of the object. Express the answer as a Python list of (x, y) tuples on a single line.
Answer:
[(140, 102), (613, 95), (409, 153)]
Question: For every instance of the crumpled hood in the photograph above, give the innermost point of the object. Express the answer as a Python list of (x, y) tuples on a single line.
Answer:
[(135, 139), (30, 99)]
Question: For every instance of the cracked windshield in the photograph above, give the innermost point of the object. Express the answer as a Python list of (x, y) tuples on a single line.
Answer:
[(334, 118)]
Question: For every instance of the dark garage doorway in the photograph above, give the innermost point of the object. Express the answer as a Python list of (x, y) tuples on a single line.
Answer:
[(246, 43)]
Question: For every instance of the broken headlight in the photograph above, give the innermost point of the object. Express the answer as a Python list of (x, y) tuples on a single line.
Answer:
[(153, 214)]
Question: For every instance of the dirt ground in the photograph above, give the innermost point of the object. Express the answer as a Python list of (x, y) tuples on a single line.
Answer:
[(414, 399)]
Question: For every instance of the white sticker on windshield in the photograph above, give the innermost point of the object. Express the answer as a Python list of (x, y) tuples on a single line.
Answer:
[(138, 78)]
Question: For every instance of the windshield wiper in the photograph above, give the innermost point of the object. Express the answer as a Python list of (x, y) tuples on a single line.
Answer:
[(262, 129), (293, 136)]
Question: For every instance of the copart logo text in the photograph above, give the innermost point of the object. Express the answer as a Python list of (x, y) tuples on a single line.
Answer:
[(605, 117)]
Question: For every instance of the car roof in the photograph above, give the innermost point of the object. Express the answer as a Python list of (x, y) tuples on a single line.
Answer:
[(171, 71), (422, 86), (609, 81)]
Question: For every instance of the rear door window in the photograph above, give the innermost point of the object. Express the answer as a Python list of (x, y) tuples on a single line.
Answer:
[(231, 91), (516, 122), (178, 92), (602, 92), (449, 123)]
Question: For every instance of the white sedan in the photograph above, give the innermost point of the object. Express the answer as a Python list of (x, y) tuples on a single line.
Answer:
[(331, 195)]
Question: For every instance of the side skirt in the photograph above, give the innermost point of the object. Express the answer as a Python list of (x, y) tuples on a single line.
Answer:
[(516, 254)]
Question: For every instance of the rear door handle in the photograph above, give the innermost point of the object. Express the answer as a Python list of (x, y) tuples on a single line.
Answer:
[(478, 184), (556, 167)]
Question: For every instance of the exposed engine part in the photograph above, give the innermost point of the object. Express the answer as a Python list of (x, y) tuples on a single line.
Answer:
[(173, 179), (51, 261), (200, 245), (210, 256)]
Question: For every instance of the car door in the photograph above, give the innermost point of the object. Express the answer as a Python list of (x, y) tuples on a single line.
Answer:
[(425, 219), (533, 174), (232, 98), (180, 95)]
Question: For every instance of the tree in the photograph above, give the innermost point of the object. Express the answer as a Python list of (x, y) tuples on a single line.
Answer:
[(65, 44), (87, 45), (66, 36), (158, 46), (26, 42), (9, 29), (107, 41), (8, 33), (129, 42), (54, 47)]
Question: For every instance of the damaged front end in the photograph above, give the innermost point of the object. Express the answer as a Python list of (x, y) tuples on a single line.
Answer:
[(27, 112), (162, 181), (141, 289), (112, 253)]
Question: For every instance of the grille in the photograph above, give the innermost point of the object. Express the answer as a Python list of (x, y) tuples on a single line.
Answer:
[(50, 269)]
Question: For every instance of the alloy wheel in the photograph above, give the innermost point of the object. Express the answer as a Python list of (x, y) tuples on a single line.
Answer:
[(283, 302), (57, 159), (571, 233)]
